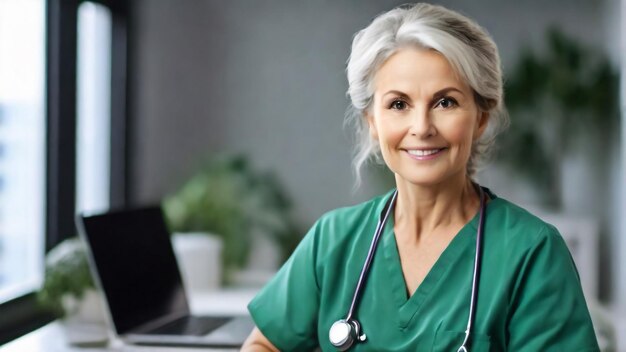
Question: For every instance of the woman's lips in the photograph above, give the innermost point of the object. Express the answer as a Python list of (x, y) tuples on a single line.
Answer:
[(424, 154)]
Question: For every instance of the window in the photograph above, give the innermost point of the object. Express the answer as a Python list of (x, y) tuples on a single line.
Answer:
[(63, 135), (93, 108), (22, 146)]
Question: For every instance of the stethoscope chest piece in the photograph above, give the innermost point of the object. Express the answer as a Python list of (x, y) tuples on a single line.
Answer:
[(343, 333)]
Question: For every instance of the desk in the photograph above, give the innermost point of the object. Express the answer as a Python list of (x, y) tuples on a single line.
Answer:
[(51, 338)]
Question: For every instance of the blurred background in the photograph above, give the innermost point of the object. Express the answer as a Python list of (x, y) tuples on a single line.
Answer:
[(230, 114)]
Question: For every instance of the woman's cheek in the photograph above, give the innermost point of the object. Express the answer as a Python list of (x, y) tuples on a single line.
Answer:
[(460, 131)]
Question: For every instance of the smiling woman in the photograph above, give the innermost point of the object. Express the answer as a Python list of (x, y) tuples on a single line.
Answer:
[(450, 266)]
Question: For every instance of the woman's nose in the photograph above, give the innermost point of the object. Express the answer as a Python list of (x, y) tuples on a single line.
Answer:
[(421, 124)]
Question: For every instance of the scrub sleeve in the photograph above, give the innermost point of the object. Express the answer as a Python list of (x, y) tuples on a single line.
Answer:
[(548, 308), (286, 309)]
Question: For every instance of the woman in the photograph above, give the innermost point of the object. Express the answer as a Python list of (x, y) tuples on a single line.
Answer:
[(426, 86)]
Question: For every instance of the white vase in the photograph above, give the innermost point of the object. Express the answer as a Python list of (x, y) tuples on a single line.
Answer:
[(199, 256), (85, 321)]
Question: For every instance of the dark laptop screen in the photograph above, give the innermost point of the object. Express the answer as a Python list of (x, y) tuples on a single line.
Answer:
[(136, 265)]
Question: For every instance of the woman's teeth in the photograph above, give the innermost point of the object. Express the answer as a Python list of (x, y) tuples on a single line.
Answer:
[(423, 152)]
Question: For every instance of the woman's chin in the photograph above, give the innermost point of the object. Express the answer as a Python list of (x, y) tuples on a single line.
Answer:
[(427, 179), (419, 180)]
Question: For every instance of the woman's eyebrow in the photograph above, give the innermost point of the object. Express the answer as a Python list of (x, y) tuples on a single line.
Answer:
[(442, 92), (396, 93)]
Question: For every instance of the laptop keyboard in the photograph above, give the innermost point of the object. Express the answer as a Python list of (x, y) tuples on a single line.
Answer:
[(191, 325)]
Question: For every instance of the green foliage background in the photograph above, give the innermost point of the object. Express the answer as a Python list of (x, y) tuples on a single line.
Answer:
[(556, 97), (226, 197)]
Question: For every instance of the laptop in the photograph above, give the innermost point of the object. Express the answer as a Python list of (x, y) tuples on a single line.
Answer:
[(134, 265)]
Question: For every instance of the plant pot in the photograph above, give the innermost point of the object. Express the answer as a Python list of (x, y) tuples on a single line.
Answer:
[(85, 322), (199, 256)]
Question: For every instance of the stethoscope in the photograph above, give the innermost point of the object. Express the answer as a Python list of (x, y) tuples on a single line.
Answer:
[(345, 332)]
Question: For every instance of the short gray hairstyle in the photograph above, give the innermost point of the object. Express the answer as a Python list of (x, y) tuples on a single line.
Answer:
[(468, 48)]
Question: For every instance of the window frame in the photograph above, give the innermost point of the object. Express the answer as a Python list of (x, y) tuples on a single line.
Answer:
[(22, 314)]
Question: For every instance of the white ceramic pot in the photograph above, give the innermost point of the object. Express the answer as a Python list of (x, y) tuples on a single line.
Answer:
[(85, 321), (199, 257)]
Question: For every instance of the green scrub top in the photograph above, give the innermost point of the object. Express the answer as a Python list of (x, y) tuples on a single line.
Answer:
[(529, 296)]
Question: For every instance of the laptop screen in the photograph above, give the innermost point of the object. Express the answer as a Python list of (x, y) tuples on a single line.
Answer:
[(135, 262)]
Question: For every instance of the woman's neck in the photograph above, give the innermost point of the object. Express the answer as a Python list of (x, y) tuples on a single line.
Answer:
[(422, 210)]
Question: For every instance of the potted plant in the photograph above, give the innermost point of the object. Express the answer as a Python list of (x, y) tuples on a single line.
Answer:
[(69, 292), (226, 197), (567, 91)]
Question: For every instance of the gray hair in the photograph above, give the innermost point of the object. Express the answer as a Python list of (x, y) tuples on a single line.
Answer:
[(467, 47)]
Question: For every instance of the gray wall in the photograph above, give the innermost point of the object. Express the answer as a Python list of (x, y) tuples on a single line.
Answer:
[(267, 79)]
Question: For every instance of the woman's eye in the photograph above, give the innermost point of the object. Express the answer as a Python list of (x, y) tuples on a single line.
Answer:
[(446, 103), (398, 105)]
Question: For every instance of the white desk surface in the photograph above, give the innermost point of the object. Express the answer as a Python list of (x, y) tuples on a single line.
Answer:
[(51, 338)]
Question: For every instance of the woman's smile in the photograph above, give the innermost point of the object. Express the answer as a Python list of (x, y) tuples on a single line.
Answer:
[(425, 154)]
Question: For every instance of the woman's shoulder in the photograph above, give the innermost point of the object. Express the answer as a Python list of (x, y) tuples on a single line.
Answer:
[(355, 213), (517, 224), (347, 224)]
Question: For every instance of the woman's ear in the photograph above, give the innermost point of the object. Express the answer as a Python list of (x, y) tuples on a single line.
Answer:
[(483, 121), (372, 125)]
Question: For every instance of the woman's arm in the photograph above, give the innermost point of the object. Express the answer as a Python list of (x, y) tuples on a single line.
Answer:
[(257, 342), (288, 306)]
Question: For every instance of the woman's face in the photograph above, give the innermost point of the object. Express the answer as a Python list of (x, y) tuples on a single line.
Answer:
[(424, 117)]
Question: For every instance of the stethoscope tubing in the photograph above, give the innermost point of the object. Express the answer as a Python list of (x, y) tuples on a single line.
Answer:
[(370, 255), (476, 275)]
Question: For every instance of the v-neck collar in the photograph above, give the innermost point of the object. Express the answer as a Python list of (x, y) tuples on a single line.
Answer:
[(409, 306)]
